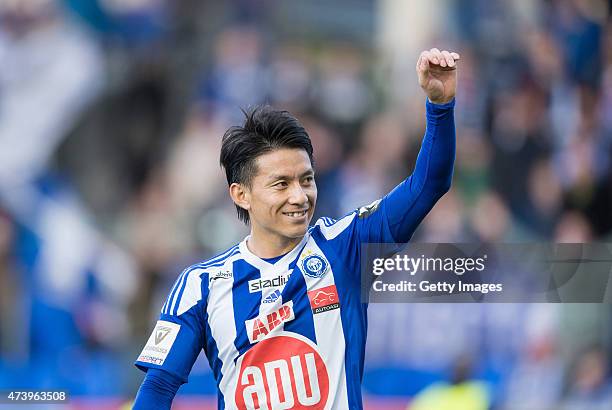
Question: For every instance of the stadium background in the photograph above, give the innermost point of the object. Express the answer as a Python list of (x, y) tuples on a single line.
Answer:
[(111, 113)]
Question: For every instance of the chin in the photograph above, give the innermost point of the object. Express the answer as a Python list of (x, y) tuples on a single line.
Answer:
[(297, 232), (300, 233)]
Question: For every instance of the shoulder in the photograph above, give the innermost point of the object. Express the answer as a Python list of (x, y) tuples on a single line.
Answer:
[(213, 265), (193, 283), (216, 262), (331, 228)]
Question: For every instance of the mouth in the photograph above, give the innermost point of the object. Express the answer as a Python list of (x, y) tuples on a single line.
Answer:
[(296, 214)]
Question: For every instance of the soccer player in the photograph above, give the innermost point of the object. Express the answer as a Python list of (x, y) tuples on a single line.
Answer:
[(279, 315)]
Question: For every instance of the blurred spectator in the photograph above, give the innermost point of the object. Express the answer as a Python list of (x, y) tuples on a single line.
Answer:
[(461, 393), (77, 283), (343, 95), (444, 223), (292, 77), (497, 223), (10, 288), (375, 167), (573, 227), (238, 77), (590, 387), (536, 382), (51, 69)]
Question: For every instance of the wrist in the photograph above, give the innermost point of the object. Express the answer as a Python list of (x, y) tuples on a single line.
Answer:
[(441, 101)]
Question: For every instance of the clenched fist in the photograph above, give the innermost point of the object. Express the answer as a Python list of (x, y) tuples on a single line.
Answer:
[(437, 71)]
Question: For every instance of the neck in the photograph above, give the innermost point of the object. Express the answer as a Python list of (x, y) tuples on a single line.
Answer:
[(266, 245)]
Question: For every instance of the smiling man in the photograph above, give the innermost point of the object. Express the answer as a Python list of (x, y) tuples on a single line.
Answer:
[(279, 315)]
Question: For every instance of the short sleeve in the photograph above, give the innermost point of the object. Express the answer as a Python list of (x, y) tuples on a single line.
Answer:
[(178, 336)]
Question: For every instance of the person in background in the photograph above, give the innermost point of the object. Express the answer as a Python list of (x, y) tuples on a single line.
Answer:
[(460, 393), (590, 387)]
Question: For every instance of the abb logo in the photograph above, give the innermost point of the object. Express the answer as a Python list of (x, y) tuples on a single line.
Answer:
[(259, 327), (282, 372)]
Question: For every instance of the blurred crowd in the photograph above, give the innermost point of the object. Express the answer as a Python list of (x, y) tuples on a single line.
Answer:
[(111, 117)]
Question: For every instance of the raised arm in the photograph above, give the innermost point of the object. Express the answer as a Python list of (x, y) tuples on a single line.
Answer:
[(399, 213)]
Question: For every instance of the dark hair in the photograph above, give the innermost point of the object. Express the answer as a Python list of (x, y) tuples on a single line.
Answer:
[(264, 130)]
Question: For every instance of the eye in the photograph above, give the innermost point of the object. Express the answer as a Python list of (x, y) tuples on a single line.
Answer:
[(281, 184), (309, 179)]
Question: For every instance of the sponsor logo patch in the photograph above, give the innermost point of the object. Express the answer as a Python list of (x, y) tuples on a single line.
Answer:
[(221, 275), (257, 285), (262, 325), (324, 299), (160, 342), (282, 372), (314, 266), (273, 297)]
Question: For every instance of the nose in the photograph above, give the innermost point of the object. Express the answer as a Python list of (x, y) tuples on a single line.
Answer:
[(297, 196)]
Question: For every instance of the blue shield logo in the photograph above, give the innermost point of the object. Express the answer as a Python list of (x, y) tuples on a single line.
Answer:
[(314, 266)]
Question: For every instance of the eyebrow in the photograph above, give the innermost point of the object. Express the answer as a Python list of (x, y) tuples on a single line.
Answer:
[(275, 177)]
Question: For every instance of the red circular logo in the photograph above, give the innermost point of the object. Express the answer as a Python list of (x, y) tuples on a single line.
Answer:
[(282, 372)]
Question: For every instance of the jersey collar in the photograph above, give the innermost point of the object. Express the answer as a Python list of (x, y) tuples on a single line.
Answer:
[(263, 265)]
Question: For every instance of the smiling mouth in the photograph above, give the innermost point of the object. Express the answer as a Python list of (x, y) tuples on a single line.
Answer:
[(297, 214)]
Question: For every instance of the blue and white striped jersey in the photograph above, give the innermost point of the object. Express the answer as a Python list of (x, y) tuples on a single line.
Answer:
[(291, 334)]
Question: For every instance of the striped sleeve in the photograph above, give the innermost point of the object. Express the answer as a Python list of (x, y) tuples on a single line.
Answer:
[(180, 332)]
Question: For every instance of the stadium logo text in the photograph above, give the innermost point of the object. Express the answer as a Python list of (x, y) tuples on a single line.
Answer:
[(257, 285)]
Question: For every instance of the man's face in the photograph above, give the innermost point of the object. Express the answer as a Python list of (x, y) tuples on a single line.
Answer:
[(283, 194)]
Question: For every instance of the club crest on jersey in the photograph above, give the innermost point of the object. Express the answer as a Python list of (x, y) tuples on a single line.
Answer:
[(314, 266)]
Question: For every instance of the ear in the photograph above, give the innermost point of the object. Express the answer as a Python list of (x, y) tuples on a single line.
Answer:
[(240, 195)]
